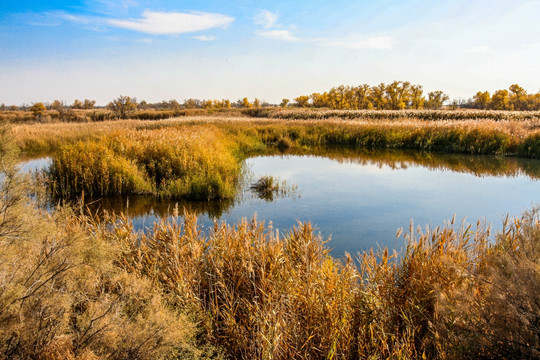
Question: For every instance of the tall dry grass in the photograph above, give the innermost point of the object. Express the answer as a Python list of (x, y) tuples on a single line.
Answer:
[(452, 293), (187, 162), (62, 295)]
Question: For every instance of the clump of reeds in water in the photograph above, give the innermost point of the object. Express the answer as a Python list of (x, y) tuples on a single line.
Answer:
[(269, 187), (188, 162)]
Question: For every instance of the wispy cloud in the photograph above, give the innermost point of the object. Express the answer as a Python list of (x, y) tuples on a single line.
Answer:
[(283, 35), (204, 38), (266, 18), (173, 23), (479, 50), (380, 42)]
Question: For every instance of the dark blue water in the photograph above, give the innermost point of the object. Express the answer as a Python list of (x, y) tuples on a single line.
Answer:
[(359, 201)]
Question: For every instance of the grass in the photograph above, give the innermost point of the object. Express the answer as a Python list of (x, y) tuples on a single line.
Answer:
[(72, 287), (201, 159), (509, 137), (63, 295), (452, 293), (192, 162)]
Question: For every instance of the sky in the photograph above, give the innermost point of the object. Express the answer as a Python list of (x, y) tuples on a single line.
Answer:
[(270, 50)]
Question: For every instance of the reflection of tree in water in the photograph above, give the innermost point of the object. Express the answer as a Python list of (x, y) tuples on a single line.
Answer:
[(478, 165), (138, 206), (248, 187)]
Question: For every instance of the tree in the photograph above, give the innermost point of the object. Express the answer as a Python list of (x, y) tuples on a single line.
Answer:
[(302, 101), (377, 96), (123, 106), (500, 100), (284, 102), (417, 100), (227, 104), (397, 95), (320, 100), (77, 104), (192, 103), (38, 109), (481, 100), (256, 104), (337, 97), (59, 106), (89, 104), (245, 103), (436, 99), (518, 97), (360, 97)]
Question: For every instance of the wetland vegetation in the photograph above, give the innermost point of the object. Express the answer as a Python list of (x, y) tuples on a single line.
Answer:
[(82, 287)]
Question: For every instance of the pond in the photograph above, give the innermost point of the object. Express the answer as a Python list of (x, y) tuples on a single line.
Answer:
[(361, 198)]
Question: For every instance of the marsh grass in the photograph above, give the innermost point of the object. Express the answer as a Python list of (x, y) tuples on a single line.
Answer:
[(62, 296), (190, 162), (263, 295), (76, 288), (201, 160)]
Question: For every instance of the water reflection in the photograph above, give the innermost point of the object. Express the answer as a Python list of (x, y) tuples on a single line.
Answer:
[(360, 197)]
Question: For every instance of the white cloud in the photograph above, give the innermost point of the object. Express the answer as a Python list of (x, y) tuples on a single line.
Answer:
[(479, 50), (205, 38), (159, 23), (73, 18), (283, 35), (380, 42), (266, 19)]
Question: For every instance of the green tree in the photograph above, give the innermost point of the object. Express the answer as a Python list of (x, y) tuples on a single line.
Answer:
[(284, 102)]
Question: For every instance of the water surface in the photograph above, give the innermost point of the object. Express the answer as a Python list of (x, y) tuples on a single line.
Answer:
[(360, 199)]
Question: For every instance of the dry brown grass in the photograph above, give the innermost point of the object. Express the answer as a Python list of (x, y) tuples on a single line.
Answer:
[(263, 296), (63, 297)]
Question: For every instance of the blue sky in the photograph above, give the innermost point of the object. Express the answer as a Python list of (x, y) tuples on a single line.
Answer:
[(161, 50)]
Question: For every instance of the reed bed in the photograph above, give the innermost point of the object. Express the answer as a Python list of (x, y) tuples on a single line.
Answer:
[(189, 162), (62, 296), (201, 159), (425, 115), (453, 292), (73, 287)]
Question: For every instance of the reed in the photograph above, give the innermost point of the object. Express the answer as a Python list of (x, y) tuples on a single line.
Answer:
[(262, 295), (191, 162), (62, 295)]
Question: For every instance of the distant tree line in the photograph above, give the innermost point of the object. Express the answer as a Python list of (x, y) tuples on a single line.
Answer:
[(515, 98), (400, 95), (397, 95)]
